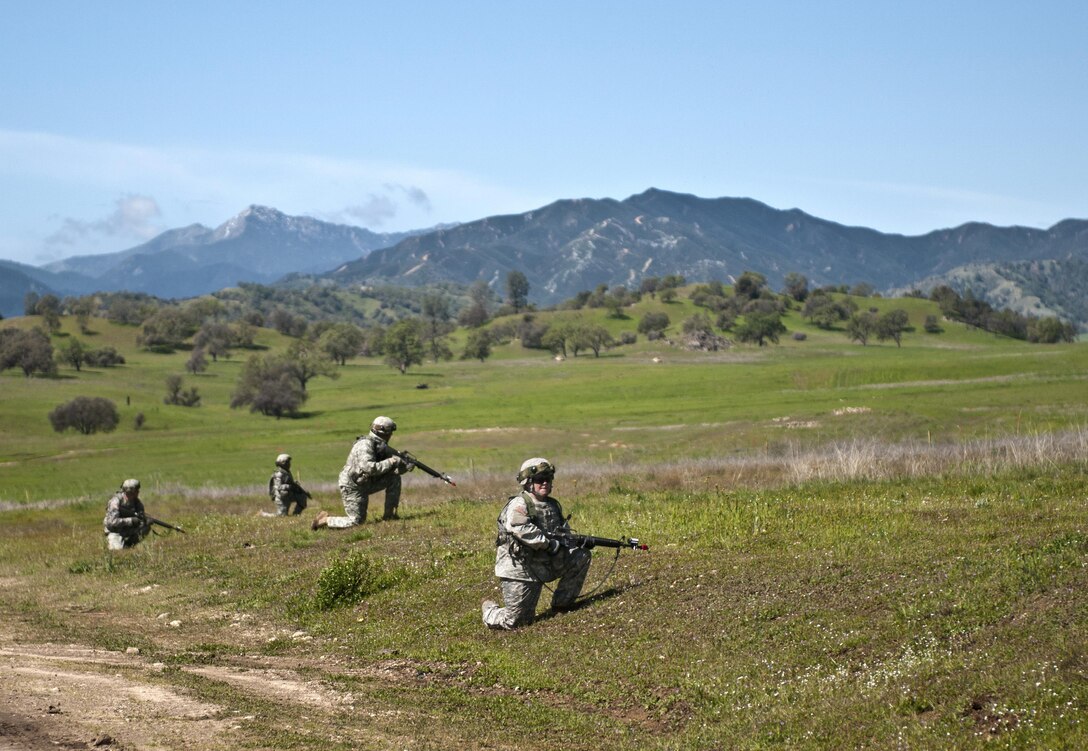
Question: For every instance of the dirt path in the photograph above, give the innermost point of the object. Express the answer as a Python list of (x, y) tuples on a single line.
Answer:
[(66, 696), (72, 697)]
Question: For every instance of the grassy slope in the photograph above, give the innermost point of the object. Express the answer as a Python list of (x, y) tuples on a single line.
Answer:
[(620, 408), (927, 614), (922, 613)]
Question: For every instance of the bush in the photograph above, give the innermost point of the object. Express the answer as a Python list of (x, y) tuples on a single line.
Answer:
[(175, 395), (106, 357), (87, 414), (349, 580), (652, 322)]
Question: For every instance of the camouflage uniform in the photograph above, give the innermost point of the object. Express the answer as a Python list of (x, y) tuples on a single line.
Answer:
[(284, 491), (125, 523), (525, 558), (371, 467)]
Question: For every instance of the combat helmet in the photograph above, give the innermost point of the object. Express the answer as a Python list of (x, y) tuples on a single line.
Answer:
[(283, 460), (533, 468), (383, 427), (130, 484)]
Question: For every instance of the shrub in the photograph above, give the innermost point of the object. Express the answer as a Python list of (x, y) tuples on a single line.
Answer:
[(349, 580), (87, 414), (106, 357), (175, 395), (653, 322)]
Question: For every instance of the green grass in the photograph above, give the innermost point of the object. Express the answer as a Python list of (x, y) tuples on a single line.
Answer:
[(842, 615), (618, 409), (931, 597)]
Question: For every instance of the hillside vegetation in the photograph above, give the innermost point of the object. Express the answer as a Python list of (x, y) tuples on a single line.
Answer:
[(850, 546)]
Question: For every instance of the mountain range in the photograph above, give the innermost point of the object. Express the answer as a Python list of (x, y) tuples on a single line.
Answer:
[(260, 245), (578, 244)]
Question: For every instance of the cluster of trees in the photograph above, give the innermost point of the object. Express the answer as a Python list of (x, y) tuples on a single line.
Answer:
[(758, 309), (32, 351), (884, 326), (619, 297), (408, 327), (978, 313), (74, 352)]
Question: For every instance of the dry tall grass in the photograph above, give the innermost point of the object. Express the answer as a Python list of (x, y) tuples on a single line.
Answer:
[(860, 459)]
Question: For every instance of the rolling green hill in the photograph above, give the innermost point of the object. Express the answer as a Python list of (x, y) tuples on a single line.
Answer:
[(621, 408)]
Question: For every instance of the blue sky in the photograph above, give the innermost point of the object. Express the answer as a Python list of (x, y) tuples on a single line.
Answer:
[(121, 119)]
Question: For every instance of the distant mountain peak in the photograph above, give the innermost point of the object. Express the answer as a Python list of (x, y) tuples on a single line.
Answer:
[(252, 215), (258, 244)]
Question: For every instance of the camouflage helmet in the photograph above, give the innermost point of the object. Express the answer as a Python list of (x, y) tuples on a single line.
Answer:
[(383, 426), (130, 484), (533, 468), (283, 460)]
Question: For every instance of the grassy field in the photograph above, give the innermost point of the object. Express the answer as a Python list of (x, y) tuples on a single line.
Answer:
[(850, 547), (620, 409)]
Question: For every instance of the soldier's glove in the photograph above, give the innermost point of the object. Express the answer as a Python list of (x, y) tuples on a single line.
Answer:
[(554, 547)]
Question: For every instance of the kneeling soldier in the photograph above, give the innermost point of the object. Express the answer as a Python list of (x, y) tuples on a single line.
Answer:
[(125, 523), (371, 467), (527, 554), (283, 489)]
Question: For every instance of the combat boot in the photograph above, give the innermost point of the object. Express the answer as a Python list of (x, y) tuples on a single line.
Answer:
[(321, 520)]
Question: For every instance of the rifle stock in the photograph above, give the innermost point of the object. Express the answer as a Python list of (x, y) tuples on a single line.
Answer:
[(416, 462)]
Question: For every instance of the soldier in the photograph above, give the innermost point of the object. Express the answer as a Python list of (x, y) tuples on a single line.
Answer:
[(528, 555), (283, 489), (370, 467), (125, 523)]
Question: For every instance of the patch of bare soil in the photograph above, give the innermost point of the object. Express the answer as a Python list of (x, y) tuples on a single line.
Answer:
[(57, 696), (69, 697)]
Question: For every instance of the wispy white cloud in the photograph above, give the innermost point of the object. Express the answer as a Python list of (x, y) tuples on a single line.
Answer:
[(378, 208), (133, 218), (209, 186)]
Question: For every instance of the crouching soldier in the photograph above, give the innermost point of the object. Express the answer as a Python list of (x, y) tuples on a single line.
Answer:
[(125, 523), (528, 555), (371, 467), (284, 491)]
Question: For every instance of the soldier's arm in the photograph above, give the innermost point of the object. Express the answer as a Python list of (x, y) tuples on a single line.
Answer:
[(280, 488), (521, 526), (374, 466)]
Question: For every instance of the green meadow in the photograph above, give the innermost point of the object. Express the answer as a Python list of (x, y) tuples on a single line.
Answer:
[(850, 547)]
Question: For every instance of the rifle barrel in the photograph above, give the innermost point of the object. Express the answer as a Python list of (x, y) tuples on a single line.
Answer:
[(607, 542), (161, 523), (429, 470)]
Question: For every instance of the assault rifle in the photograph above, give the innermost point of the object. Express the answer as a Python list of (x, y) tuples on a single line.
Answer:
[(414, 462), (161, 523), (591, 541)]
